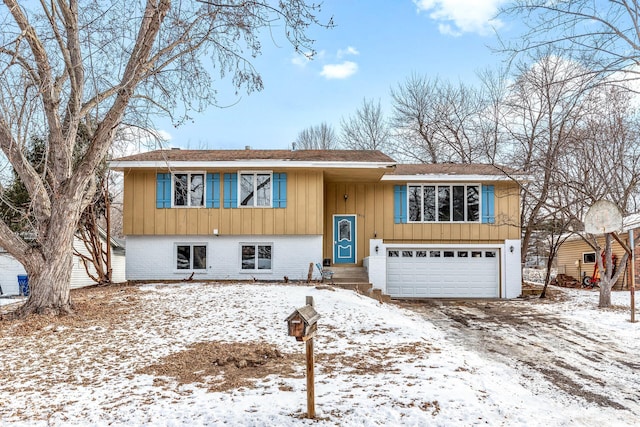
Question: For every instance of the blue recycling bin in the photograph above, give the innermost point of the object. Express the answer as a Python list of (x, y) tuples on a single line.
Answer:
[(23, 284)]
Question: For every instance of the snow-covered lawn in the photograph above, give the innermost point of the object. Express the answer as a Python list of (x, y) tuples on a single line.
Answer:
[(376, 364), (10, 300)]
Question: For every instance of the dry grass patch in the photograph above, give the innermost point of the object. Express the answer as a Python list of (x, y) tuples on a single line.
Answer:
[(225, 366)]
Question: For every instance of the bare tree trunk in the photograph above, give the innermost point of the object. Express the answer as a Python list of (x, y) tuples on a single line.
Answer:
[(50, 273), (607, 278), (547, 279)]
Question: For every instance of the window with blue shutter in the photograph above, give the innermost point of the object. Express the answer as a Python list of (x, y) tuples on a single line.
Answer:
[(163, 190), (400, 204), (488, 205), (213, 190), (230, 190), (279, 190)]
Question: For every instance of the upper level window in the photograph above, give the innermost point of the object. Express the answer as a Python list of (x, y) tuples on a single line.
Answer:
[(255, 189), (444, 203), (188, 189)]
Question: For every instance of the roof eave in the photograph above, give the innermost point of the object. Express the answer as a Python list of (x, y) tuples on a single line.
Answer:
[(239, 164), (453, 178)]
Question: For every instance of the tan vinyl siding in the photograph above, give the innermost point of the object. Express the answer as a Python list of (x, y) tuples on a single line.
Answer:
[(302, 216), (570, 254), (373, 205)]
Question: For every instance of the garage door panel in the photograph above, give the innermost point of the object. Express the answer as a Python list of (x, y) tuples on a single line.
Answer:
[(443, 273)]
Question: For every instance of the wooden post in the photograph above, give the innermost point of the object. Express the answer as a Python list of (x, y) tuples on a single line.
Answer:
[(311, 397), (310, 275)]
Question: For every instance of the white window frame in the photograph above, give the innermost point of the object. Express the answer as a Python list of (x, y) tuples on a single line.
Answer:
[(589, 253), (255, 188), (189, 174), (191, 246), (450, 185), (256, 268)]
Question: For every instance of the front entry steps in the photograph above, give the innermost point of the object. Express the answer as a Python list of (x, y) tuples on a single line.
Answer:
[(356, 279)]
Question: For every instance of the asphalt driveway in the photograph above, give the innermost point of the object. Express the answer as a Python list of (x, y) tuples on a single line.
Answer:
[(551, 350)]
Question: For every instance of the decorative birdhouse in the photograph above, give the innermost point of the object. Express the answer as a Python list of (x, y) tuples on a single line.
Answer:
[(302, 323)]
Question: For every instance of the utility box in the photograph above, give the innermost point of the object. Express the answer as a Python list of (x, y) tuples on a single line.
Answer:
[(303, 323)]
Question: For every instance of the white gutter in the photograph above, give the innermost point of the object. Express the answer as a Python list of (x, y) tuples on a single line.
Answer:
[(236, 164), (448, 178)]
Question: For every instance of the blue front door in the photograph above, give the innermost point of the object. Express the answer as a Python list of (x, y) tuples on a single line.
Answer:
[(344, 239)]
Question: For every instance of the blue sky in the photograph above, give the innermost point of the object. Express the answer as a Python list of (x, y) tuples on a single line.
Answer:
[(375, 45)]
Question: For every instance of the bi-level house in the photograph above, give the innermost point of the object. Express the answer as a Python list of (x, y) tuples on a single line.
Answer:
[(441, 230)]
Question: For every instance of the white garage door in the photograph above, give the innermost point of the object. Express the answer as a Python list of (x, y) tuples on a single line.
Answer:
[(443, 273)]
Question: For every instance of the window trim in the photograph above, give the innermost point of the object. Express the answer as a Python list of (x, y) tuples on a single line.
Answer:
[(255, 173), (589, 253), (189, 174), (190, 269), (451, 212), (256, 264)]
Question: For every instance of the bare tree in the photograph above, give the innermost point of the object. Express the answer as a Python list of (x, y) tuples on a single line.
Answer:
[(544, 109), (367, 129), (437, 122), (604, 260), (63, 63), (606, 161), (604, 36), (491, 131), (94, 231), (320, 137)]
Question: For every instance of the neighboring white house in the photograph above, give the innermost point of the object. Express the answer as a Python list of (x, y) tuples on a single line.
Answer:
[(10, 268)]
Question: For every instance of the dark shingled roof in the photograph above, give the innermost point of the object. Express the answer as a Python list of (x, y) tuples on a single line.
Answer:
[(230, 155), (453, 169)]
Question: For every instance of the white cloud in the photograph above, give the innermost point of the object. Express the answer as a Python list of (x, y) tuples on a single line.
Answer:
[(302, 59), (339, 71), (133, 140), (456, 17), (348, 51)]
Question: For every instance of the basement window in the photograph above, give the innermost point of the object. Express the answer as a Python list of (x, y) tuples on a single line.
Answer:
[(191, 257), (256, 257)]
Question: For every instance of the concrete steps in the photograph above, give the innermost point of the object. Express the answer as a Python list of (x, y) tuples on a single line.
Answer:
[(356, 279), (349, 274)]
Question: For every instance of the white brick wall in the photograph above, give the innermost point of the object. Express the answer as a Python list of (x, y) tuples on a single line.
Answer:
[(153, 257)]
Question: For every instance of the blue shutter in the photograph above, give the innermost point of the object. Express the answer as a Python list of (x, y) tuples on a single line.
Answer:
[(488, 203), (230, 190), (163, 190), (279, 190), (400, 204), (213, 190)]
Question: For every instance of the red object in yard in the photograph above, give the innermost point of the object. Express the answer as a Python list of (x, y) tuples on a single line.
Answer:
[(593, 280)]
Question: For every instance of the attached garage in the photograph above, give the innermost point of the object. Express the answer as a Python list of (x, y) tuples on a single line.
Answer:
[(443, 272)]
